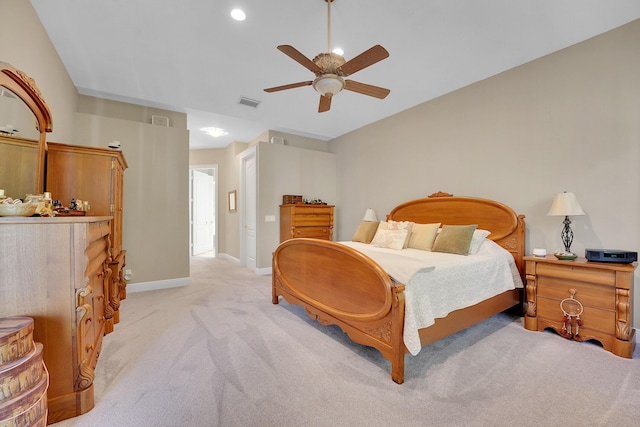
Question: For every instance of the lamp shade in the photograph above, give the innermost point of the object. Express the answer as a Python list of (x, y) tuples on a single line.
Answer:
[(565, 204), (328, 84), (370, 215)]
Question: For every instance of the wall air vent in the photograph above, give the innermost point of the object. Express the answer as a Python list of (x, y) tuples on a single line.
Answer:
[(249, 102)]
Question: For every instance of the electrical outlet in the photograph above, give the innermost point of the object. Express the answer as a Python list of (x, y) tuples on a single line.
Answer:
[(127, 272)]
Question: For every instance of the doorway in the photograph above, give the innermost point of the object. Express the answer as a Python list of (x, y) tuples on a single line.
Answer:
[(203, 208), (248, 211)]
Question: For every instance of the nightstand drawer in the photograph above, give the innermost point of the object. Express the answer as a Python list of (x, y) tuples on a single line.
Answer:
[(577, 273), (592, 318), (588, 294)]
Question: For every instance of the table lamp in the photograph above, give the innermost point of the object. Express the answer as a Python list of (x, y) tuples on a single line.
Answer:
[(566, 204), (370, 215)]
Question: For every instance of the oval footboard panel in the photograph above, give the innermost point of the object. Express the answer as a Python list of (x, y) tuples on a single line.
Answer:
[(334, 278)]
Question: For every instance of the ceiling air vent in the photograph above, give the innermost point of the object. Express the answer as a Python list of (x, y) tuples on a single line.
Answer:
[(249, 102)]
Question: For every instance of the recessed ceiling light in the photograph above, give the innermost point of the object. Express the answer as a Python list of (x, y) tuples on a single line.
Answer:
[(214, 132), (238, 15)]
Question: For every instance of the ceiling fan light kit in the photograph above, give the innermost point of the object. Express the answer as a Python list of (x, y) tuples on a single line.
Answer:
[(331, 68), (328, 84)]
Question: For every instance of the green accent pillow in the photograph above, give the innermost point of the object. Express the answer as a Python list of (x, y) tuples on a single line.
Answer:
[(365, 232), (454, 239)]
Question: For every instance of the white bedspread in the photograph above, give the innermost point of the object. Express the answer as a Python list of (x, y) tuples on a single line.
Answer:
[(439, 283)]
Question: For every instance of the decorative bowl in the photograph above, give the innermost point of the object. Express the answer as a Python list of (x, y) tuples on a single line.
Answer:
[(566, 256), (19, 209)]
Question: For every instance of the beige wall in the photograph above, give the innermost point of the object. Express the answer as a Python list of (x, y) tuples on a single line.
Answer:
[(568, 121), (156, 184), (156, 192), (25, 44), (282, 169)]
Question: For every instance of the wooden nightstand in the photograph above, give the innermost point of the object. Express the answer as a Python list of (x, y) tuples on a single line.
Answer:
[(605, 291)]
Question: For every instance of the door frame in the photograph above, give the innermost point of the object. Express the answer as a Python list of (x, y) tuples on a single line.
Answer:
[(244, 157), (206, 167)]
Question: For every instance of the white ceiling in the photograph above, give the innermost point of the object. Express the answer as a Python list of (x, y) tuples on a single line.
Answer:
[(191, 56)]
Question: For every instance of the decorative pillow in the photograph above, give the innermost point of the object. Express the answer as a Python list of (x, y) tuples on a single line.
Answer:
[(365, 232), (454, 239), (392, 235), (423, 235), (401, 225), (479, 236)]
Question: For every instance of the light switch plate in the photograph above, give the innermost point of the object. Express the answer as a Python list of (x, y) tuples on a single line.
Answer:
[(269, 218)]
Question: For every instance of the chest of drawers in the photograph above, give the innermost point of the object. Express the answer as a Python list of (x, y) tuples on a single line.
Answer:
[(56, 271), (582, 300), (304, 220)]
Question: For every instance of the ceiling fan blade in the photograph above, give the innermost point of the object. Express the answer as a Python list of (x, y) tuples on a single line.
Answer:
[(365, 89), (294, 54), (325, 103), (289, 86), (366, 58)]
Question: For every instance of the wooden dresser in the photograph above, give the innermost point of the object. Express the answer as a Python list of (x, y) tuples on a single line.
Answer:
[(54, 270), (604, 292), (306, 220), (97, 176)]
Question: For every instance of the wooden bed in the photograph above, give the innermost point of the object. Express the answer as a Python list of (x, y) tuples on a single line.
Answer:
[(339, 285)]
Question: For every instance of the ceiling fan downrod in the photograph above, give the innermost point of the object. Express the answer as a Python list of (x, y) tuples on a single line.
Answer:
[(329, 25)]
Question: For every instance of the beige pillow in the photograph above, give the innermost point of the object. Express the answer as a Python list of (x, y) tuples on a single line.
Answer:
[(392, 234), (454, 239), (401, 225), (365, 232), (423, 235)]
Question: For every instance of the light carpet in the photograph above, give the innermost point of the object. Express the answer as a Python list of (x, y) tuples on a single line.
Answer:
[(219, 353)]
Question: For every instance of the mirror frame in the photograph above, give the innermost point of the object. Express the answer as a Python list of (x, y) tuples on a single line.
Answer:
[(25, 88)]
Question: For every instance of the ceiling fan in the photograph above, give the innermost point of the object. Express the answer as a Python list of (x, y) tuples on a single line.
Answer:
[(331, 69)]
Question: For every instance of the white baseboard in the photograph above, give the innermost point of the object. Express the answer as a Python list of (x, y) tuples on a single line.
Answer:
[(158, 284), (265, 271), (228, 257)]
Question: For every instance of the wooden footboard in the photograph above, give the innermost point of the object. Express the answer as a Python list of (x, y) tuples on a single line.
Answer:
[(338, 285)]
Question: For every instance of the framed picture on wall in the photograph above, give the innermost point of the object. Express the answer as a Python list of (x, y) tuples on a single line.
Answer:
[(232, 201)]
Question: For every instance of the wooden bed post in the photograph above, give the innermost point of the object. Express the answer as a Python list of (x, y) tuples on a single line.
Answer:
[(398, 348), (274, 293)]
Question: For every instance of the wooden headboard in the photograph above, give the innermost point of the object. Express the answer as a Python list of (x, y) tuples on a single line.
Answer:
[(507, 228)]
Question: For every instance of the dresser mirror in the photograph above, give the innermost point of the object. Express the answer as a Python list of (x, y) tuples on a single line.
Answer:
[(24, 121)]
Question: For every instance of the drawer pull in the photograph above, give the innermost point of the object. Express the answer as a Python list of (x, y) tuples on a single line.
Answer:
[(571, 322)]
